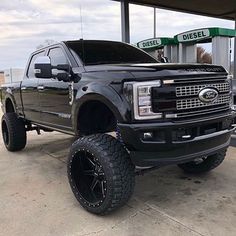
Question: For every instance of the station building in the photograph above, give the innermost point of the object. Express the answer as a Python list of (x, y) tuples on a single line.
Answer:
[(2, 78)]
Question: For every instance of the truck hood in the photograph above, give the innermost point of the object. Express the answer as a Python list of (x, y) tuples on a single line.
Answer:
[(156, 70)]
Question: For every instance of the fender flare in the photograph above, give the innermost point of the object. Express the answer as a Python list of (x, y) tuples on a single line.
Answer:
[(104, 94), (9, 96)]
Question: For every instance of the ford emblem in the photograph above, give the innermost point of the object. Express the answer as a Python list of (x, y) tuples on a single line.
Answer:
[(208, 95)]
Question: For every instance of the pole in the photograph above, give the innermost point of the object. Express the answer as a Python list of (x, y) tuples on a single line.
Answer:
[(235, 50), (155, 22), (125, 29)]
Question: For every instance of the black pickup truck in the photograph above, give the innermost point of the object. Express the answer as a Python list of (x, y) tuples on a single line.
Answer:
[(162, 114)]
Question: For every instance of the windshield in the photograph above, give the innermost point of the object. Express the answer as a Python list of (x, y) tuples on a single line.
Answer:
[(105, 52)]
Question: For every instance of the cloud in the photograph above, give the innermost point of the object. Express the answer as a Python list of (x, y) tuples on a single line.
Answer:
[(24, 24)]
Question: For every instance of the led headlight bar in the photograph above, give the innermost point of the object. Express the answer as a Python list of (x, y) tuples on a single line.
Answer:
[(142, 100)]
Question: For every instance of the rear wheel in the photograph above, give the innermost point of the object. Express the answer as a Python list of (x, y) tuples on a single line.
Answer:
[(204, 164), (13, 132), (100, 173)]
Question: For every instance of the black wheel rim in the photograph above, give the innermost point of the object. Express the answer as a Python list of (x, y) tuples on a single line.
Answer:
[(5, 133), (89, 178)]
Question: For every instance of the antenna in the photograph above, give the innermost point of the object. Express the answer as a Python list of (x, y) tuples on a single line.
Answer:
[(83, 51), (82, 35)]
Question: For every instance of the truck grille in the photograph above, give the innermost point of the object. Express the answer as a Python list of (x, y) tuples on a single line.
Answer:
[(194, 89), (196, 103), (179, 98)]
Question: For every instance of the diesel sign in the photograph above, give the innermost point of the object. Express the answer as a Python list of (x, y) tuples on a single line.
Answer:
[(193, 35), (150, 43)]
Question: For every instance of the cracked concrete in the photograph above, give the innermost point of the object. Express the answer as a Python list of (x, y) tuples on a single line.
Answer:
[(35, 197)]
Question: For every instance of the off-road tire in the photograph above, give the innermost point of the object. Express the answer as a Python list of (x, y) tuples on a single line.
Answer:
[(13, 132), (210, 163), (118, 170)]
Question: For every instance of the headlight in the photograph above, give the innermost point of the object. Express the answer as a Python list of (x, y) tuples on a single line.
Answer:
[(141, 99), (144, 95)]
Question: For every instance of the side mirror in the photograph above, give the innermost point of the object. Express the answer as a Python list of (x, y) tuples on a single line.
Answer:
[(43, 67), (62, 72), (64, 76), (65, 67)]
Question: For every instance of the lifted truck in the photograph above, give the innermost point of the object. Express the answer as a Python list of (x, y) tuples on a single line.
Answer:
[(162, 113)]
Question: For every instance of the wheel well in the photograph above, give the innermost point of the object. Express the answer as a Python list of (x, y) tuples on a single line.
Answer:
[(95, 117), (9, 106)]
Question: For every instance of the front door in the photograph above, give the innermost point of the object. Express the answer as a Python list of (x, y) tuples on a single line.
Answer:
[(54, 95), (29, 91)]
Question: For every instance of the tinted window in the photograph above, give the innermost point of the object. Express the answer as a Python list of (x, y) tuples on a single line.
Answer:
[(57, 56), (30, 73), (105, 52)]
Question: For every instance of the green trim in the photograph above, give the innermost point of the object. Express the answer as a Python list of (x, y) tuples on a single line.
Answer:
[(201, 35), (155, 43), (222, 32), (204, 35)]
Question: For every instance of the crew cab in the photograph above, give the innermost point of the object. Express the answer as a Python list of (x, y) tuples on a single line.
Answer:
[(162, 114)]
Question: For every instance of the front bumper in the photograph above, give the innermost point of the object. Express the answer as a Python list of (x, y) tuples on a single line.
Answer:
[(167, 146)]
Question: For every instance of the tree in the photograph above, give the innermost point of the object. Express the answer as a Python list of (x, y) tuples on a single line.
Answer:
[(203, 56), (47, 42)]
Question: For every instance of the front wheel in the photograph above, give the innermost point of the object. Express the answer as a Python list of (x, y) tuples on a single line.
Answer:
[(204, 164), (100, 173)]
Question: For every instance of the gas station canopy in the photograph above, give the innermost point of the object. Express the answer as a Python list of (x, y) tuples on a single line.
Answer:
[(215, 8), (183, 46), (225, 9)]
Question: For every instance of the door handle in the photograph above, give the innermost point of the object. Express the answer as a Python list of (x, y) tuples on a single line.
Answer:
[(40, 87)]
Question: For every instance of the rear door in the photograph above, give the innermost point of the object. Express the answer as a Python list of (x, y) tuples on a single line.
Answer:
[(29, 91), (54, 95)]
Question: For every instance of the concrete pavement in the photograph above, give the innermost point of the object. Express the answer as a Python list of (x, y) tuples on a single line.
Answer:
[(35, 197)]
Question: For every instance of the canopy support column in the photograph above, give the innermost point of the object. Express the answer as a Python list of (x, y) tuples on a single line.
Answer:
[(125, 28), (155, 23), (221, 51), (235, 50)]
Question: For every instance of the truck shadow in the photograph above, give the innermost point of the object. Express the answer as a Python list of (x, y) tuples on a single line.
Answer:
[(167, 188), (54, 144)]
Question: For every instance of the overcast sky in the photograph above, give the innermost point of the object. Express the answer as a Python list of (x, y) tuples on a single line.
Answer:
[(25, 24)]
